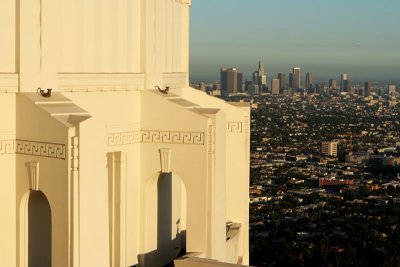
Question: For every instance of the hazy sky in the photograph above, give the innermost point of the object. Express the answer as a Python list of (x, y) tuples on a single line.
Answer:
[(325, 37)]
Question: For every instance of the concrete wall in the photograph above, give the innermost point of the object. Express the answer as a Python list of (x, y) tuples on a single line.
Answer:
[(8, 188)]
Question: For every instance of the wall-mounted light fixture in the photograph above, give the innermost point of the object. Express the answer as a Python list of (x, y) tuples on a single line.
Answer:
[(164, 91), (43, 93)]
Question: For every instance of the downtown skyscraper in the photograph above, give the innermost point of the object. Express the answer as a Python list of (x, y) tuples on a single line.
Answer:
[(231, 81), (296, 74), (275, 86), (282, 81), (344, 82), (367, 88), (259, 76), (332, 84), (309, 81)]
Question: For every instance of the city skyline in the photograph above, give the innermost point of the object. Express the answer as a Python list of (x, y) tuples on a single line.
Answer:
[(356, 37)]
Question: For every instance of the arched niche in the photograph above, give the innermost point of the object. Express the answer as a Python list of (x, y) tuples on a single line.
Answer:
[(165, 225), (35, 230)]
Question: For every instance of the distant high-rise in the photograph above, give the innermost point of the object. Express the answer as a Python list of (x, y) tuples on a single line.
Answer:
[(230, 79), (344, 82), (275, 86), (391, 89), (367, 88), (247, 83), (320, 88), (259, 76), (329, 149), (282, 81), (240, 82), (332, 84), (291, 80), (309, 81), (254, 89), (296, 78)]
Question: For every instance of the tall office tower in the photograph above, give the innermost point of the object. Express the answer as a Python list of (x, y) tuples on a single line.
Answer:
[(391, 89), (290, 81), (344, 82), (259, 76), (247, 83), (329, 149), (282, 81), (320, 88), (229, 81), (275, 86), (240, 82), (296, 78), (254, 89), (332, 84), (367, 88), (309, 81)]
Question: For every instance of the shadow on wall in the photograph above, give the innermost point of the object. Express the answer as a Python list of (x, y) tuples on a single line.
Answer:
[(39, 231), (171, 238)]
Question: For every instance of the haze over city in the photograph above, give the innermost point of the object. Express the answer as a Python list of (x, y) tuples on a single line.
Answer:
[(358, 37)]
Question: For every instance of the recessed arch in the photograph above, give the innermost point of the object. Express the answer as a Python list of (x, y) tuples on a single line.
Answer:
[(165, 223), (35, 230)]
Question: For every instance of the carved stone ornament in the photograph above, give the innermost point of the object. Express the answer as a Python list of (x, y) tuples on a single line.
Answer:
[(34, 175), (165, 157)]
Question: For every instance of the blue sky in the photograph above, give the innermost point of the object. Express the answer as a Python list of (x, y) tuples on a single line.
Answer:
[(325, 37)]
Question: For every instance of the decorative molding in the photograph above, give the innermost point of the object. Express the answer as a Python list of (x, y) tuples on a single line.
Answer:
[(74, 153), (211, 139), (234, 127), (171, 137), (123, 138), (34, 175), (100, 82), (41, 149), (160, 137), (7, 146), (8, 83), (165, 157)]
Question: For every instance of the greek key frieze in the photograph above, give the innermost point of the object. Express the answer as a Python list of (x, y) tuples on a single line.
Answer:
[(41, 149), (234, 127), (161, 137), (7, 146), (123, 138)]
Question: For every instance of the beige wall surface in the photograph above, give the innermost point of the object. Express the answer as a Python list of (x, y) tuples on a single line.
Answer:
[(99, 36), (8, 36), (8, 188), (8, 210)]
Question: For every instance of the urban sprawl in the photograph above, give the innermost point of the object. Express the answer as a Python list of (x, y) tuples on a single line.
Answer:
[(325, 164)]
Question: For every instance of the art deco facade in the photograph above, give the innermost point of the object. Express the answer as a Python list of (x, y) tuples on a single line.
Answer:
[(109, 170), (259, 76)]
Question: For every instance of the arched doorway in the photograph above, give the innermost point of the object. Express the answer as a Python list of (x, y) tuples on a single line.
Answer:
[(171, 216), (165, 224), (36, 229)]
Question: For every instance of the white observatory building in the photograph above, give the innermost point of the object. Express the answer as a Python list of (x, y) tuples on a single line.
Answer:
[(121, 163)]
